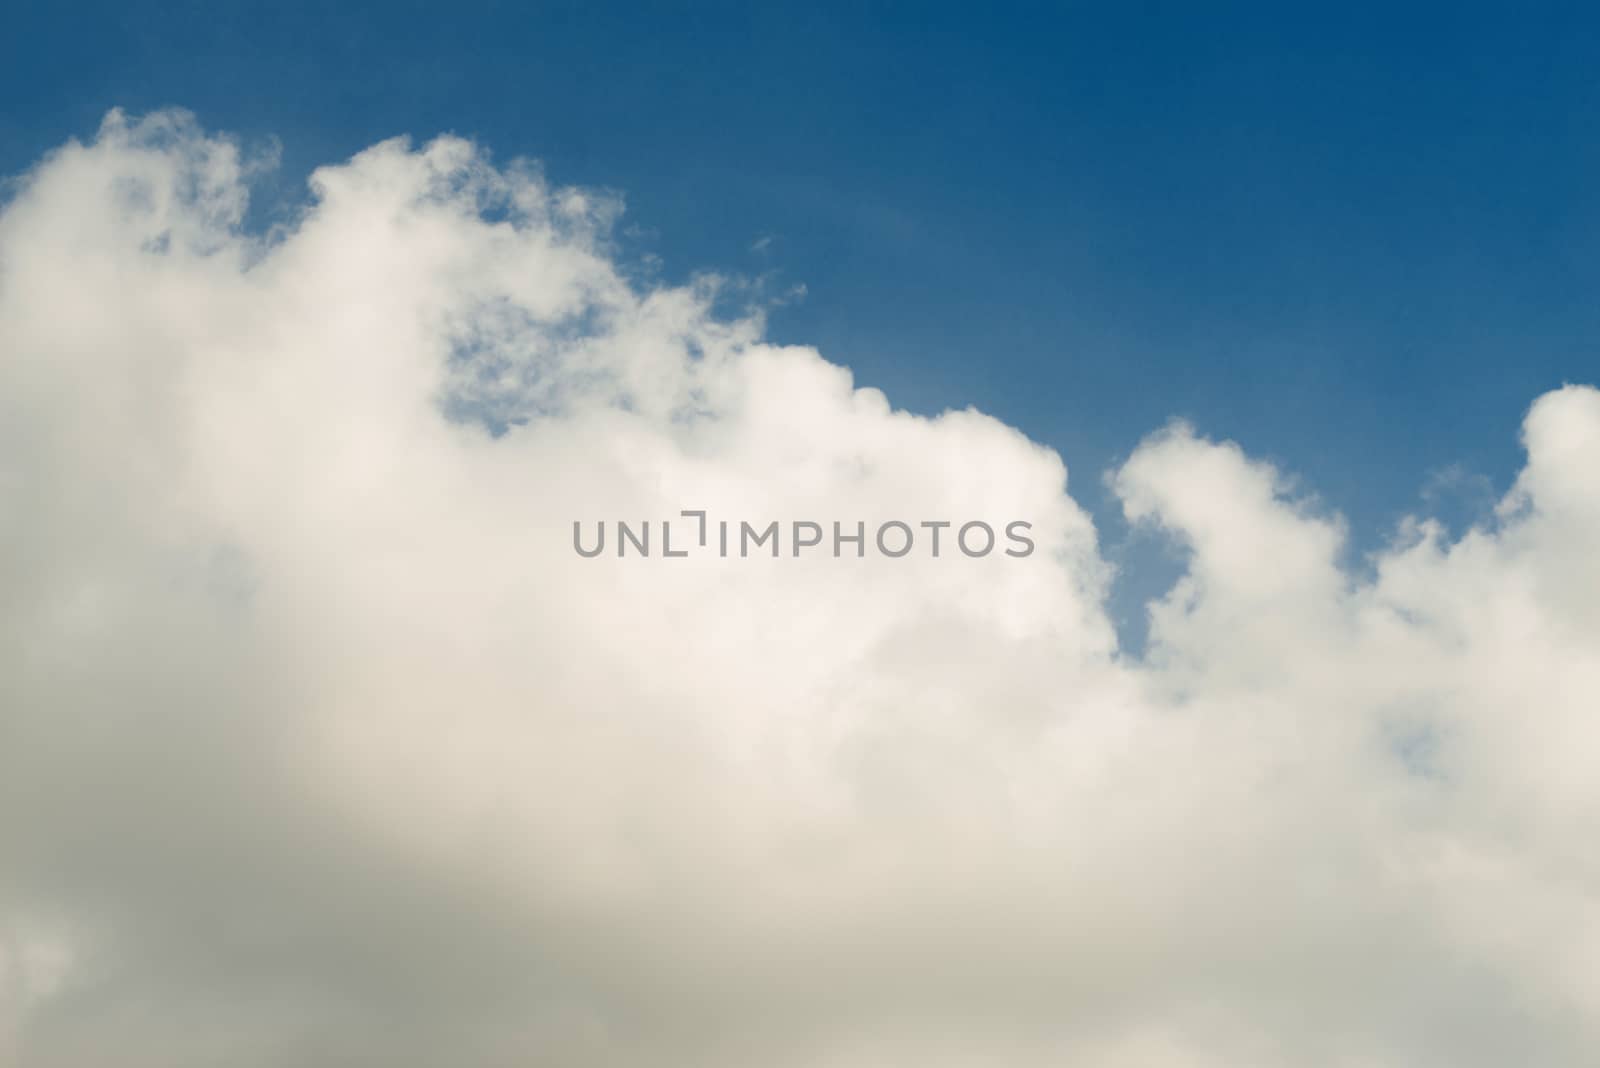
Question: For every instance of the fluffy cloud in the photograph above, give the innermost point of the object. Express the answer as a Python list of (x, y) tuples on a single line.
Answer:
[(320, 745)]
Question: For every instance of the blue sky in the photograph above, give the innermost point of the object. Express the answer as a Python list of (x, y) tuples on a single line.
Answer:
[(1358, 242)]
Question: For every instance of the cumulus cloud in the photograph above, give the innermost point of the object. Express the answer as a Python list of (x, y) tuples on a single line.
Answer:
[(320, 745)]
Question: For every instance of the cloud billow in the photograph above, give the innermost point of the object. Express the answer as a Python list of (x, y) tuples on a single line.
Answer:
[(319, 745)]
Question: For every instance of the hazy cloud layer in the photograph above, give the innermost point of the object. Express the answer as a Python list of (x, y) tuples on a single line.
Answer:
[(319, 745)]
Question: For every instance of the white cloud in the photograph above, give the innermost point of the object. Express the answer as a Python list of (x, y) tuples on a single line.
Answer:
[(322, 746)]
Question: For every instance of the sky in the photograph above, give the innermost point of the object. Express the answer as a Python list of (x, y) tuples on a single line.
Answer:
[(324, 335), (1344, 231)]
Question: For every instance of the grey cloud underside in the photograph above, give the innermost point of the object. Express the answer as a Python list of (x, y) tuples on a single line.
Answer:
[(318, 745)]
